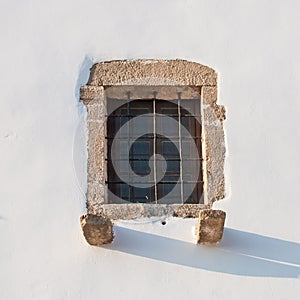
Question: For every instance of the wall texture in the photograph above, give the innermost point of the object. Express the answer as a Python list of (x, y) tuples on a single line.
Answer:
[(47, 49)]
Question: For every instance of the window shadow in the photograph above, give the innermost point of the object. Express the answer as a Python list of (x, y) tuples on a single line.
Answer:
[(239, 253)]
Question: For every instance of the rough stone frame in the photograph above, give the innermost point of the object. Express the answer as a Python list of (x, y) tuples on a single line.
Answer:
[(153, 72)]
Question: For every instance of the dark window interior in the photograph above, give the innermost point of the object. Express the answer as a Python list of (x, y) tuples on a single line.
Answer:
[(144, 147)]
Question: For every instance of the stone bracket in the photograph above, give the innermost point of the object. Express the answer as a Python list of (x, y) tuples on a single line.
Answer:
[(210, 226), (98, 230)]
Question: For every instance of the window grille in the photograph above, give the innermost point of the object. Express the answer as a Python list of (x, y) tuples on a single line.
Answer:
[(144, 150)]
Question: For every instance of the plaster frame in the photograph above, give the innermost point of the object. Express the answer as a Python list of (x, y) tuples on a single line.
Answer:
[(151, 73)]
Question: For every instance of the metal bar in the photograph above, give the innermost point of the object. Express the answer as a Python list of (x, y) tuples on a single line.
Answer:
[(128, 136), (170, 115), (146, 159), (174, 138), (161, 182), (180, 149), (154, 146)]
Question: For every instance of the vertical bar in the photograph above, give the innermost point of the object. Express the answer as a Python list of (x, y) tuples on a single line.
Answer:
[(180, 145), (128, 141), (203, 152), (154, 146)]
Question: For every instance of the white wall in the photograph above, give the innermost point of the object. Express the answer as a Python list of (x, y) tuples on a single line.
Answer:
[(46, 48)]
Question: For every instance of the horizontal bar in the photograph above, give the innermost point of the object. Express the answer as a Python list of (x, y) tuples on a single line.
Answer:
[(168, 115), (152, 182), (151, 136), (167, 159)]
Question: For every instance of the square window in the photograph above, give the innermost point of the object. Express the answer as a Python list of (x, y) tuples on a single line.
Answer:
[(158, 135)]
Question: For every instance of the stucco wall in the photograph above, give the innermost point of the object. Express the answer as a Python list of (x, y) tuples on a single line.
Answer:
[(47, 48)]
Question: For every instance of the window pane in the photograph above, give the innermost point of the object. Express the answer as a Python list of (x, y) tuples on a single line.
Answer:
[(173, 166), (169, 111), (169, 193), (188, 145), (140, 167), (169, 149), (139, 111), (123, 120), (170, 178), (124, 191), (124, 148), (124, 111), (142, 195), (120, 150), (167, 107), (140, 126), (121, 190), (167, 126), (190, 171), (141, 149), (190, 107), (118, 171), (192, 192), (192, 125)]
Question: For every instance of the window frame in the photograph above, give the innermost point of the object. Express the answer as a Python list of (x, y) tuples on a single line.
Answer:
[(137, 73)]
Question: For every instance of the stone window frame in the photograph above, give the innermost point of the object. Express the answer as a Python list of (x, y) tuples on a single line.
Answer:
[(153, 73)]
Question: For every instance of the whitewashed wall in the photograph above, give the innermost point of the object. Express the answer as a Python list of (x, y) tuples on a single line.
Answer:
[(46, 50)]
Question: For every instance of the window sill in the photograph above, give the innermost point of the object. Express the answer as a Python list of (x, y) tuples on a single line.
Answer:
[(141, 210)]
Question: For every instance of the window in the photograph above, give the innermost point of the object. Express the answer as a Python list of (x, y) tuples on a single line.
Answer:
[(155, 139), (161, 137)]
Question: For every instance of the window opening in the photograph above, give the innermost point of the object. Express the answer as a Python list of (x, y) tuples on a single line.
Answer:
[(146, 143)]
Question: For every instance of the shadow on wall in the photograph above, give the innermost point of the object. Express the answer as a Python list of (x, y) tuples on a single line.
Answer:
[(240, 253)]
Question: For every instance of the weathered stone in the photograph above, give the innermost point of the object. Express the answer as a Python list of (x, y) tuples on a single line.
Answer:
[(91, 94), (175, 72), (97, 230), (188, 210), (113, 79), (214, 153), (210, 226), (209, 94), (128, 211), (95, 194)]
